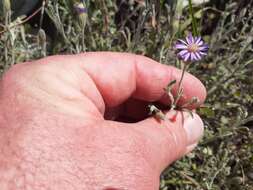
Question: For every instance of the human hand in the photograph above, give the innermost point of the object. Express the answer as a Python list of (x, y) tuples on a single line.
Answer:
[(53, 134)]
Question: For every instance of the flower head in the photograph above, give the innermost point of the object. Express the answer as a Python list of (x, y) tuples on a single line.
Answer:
[(191, 49), (80, 8)]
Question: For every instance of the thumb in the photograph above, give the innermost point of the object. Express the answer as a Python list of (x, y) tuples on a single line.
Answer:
[(171, 138)]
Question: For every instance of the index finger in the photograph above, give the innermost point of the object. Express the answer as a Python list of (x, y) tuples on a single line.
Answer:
[(119, 76)]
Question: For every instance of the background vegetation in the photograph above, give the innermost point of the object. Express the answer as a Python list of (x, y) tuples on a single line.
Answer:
[(224, 159)]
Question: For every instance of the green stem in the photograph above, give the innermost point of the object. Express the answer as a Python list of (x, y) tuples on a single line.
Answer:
[(194, 22), (179, 90)]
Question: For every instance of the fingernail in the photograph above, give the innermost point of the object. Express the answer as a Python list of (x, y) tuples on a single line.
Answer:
[(194, 128)]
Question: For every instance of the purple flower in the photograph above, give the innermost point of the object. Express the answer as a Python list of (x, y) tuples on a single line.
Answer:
[(191, 49), (80, 9)]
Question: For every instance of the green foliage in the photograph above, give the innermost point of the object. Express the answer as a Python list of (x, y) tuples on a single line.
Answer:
[(224, 158)]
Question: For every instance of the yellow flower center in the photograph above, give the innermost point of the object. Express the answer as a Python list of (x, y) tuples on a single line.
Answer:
[(193, 48)]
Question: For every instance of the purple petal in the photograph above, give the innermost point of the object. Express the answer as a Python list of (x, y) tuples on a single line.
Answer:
[(181, 57), (180, 46), (80, 9), (203, 48), (183, 52), (193, 57), (200, 43), (197, 40), (202, 53), (182, 41), (197, 55), (187, 56), (206, 46), (190, 39)]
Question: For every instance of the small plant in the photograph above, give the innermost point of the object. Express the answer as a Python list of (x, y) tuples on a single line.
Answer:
[(190, 50)]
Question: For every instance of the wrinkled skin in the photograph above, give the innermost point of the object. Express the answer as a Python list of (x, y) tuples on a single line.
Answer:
[(53, 134)]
